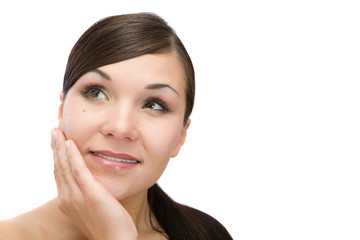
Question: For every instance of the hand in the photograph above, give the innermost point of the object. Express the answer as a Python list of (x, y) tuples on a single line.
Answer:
[(90, 206)]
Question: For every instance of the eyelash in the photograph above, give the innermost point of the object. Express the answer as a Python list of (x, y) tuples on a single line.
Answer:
[(164, 107), (89, 87)]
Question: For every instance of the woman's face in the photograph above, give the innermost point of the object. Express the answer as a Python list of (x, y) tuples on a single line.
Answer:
[(127, 120)]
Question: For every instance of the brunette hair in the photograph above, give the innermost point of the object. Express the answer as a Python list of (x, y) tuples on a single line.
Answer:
[(122, 37), (118, 38)]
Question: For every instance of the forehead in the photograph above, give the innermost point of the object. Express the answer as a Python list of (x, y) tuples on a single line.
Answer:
[(148, 69)]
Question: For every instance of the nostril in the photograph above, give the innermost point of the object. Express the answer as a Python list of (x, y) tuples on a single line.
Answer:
[(120, 125)]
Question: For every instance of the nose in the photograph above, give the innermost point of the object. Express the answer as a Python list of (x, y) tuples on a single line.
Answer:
[(121, 124)]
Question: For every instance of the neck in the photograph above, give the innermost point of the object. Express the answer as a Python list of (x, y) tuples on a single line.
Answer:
[(139, 210)]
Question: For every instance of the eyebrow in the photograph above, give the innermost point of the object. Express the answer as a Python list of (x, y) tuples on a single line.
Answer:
[(101, 73), (155, 86)]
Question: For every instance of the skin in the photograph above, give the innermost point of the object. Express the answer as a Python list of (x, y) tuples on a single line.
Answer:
[(118, 115)]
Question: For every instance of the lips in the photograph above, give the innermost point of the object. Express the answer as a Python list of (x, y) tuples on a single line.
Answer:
[(116, 157)]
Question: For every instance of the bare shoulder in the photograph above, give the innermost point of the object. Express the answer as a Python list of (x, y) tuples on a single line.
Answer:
[(26, 226), (29, 225), (44, 222), (12, 230)]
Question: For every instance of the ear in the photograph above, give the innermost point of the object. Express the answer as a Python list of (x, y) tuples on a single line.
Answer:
[(181, 140), (61, 106)]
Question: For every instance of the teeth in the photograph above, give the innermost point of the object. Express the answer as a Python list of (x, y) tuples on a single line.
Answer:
[(115, 159)]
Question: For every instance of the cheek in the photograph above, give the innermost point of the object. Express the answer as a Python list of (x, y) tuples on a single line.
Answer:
[(163, 140), (76, 124), (159, 146)]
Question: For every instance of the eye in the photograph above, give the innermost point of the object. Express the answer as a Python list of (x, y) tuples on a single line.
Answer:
[(97, 94), (156, 104), (94, 92)]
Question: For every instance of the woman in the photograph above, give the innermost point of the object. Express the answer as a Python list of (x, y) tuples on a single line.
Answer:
[(127, 96)]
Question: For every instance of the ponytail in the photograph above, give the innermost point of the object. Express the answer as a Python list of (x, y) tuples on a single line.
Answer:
[(180, 222)]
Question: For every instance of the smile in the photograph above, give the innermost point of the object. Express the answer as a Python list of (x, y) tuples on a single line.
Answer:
[(115, 159)]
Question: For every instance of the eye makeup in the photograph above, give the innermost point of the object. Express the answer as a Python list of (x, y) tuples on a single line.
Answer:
[(156, 104), (93, 91)]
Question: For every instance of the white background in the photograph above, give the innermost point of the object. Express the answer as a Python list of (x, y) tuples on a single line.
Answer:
[(273, 149)]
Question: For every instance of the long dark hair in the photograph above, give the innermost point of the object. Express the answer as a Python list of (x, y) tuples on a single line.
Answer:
[(118, 38)]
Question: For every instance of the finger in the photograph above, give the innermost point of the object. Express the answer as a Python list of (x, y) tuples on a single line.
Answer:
[(62, 187), (80, 171), (58, 179), (62, 168), (57, 172)]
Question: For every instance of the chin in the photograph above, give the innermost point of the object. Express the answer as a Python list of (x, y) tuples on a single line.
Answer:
[(120, 189)]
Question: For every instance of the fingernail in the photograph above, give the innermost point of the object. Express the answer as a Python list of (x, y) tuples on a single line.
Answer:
[(53, 135), (67, 145)]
